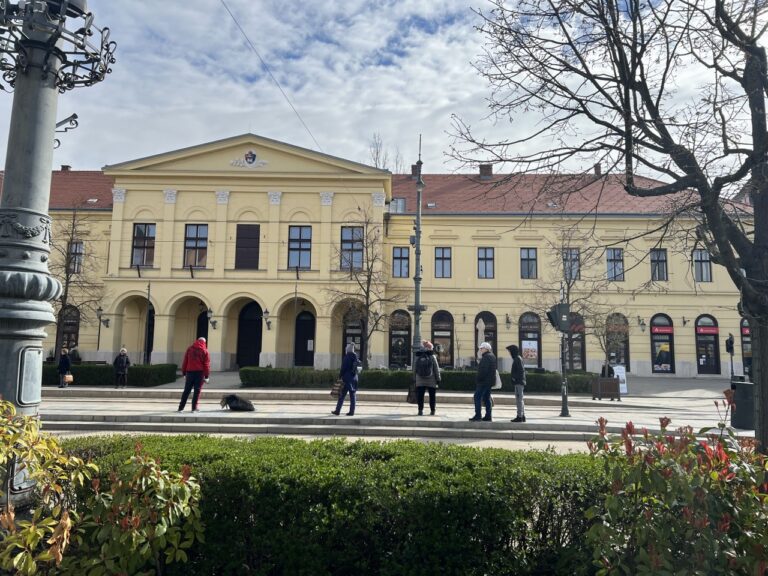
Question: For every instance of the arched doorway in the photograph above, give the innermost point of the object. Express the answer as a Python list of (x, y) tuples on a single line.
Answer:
[(746, 348), (201, 331), (577, 351), (662, 344), (707, 345), (442, 337), (352, 331), (70, 327), (487, 322), (529, 331), (249, 327), (399, 339), (304, 344), (149, 334), (617, 339)]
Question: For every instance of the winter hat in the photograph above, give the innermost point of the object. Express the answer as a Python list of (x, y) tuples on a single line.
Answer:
[(350, 348), (486, 346)]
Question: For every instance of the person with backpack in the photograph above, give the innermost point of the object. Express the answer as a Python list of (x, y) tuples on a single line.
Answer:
[(426, 376), (518, 381)]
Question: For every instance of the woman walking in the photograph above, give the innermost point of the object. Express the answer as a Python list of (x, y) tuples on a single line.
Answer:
[(426, 376), (65, 364), (348, 375), (121, 364)]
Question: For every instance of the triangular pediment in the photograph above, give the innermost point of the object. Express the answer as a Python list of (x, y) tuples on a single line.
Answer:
[(247, 154)]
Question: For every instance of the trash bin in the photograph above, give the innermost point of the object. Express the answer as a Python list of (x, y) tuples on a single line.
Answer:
[(743, 416)]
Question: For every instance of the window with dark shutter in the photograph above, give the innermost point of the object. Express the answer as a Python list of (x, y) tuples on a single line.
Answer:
[(247, 247)]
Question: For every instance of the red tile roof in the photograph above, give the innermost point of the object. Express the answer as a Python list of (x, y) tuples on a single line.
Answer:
[(73, 188), (531, 194)]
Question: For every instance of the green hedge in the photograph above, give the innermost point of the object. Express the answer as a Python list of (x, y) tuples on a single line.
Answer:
[(330, 507), (139, 375), (458, 380)]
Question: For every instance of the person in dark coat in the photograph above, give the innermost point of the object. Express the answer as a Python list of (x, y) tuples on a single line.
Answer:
[(197, 368), (121, 364), (65, 364), (425, 383), (486, 378), (348, 375), (518, 381)]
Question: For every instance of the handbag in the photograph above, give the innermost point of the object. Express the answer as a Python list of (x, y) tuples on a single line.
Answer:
[(68, 378), (336, 388), (411, 398), (497, 384)]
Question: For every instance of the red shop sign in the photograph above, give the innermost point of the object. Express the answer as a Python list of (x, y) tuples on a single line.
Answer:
[(707, 330), (745, 330), (662, 330)]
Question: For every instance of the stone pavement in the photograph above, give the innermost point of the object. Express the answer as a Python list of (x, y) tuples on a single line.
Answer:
[(305, 413)]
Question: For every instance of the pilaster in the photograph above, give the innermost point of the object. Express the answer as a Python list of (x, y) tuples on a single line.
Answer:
[(165, 233), (326, 251), (116, 237), (220, 245), (273, 237)]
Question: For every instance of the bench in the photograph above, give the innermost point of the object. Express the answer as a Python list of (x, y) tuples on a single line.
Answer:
[(606, 387)]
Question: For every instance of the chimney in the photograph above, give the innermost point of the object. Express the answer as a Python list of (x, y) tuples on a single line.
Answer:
[(66, 167), (598, 169), (486, 171), (414, 171)]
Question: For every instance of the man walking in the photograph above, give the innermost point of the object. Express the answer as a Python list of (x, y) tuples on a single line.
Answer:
[(486, 378), (197, 368), (518, 381)]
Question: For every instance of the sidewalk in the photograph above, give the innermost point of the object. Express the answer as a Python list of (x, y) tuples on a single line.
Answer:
[(380, 414)]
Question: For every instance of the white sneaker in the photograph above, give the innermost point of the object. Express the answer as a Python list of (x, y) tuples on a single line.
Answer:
[(179, 410), (195, 410)]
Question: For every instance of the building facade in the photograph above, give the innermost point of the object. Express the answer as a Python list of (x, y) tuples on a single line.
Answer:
[(249, 242)]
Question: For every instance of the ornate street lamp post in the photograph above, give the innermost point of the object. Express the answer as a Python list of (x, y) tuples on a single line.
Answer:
[(417, 308), (46, 47)]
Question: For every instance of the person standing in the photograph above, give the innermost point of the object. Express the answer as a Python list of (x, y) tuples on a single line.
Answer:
[(486, 378), (518, 381), (348, 375), (121, 364), (426, 376), (65, 364), (197, 368)]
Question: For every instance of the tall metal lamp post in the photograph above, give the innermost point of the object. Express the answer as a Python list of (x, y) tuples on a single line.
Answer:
[(46, 47), (417, 308)]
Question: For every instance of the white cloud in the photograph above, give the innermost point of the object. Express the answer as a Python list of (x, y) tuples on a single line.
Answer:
[(185, 76)]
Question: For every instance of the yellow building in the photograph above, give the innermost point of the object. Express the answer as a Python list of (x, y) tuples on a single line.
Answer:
[(246, 240)]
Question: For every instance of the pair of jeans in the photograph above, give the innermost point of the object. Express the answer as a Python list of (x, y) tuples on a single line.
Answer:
[(483, 396), (420, 398), (519, 400), (352, 393), (194, 381)]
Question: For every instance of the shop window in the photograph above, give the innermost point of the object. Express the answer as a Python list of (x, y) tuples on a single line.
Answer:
[(617, 340), (662, 344), (399, 339), (707, 345), (576, 348), (485, 327), (442, 337), (529, 328), (70, 327)]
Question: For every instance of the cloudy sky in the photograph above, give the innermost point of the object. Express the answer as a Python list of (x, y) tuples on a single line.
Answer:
[(185, 75)]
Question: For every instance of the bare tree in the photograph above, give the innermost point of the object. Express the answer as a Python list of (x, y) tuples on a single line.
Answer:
[(379, 155), (362, 294), (675, 90), (77, 266)]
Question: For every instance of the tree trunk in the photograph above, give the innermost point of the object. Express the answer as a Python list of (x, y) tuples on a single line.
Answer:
[(759, 333)]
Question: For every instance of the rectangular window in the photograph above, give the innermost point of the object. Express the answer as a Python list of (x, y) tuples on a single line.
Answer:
[(528, 264), (702, 266), (442, 262), (76, 253), (571, 264), (300, 247), (659, 265), (351, 248), (615, 264), (143, 245), (247, 247), (485, 262), (397, 206), (195, 245), (400, 262)]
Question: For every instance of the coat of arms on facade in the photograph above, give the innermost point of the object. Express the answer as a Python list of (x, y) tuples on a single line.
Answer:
[(249, 160)]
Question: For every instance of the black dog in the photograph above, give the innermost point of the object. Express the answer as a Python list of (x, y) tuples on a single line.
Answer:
[(237, 403)]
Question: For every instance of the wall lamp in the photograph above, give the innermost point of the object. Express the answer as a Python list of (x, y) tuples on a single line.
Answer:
[(464, 318), (267, 321), (209, 314), (641, 323), (685, 321), (99, 314), (508, 322)]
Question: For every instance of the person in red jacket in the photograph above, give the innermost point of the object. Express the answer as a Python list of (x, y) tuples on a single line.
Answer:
[(197, 368)]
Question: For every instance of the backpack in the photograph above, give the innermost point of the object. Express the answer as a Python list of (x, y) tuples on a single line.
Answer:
[(424, 366)]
